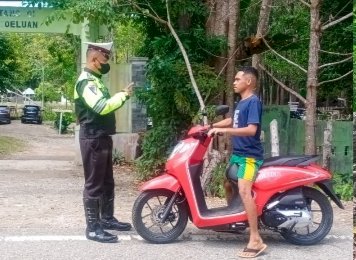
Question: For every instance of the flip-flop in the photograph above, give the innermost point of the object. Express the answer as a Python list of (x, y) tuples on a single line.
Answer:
[(256, 252)]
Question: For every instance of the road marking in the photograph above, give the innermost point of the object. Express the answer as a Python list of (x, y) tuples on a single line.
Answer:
[(60, 238), (41, 238), (192, 237)]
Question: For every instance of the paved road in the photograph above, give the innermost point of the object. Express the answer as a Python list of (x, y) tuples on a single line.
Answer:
[(42, 216)]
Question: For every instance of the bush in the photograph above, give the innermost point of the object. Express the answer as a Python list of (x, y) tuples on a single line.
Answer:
[(48, 114), (117, 158), (343, 185), (216, 186), (67, 119), (154, 148)]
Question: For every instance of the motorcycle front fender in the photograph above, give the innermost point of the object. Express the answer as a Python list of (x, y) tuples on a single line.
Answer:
[(165, 182)]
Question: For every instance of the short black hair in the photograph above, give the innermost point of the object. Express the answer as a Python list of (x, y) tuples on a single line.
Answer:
[(249, 70)]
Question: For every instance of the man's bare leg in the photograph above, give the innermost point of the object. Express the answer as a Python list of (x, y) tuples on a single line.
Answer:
[(255, 241)]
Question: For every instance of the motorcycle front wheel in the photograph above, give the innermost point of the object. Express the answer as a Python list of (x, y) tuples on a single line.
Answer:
[(147, 216), (322, 220)]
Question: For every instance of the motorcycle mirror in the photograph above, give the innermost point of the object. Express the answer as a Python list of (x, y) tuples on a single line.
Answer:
[(222, 110)]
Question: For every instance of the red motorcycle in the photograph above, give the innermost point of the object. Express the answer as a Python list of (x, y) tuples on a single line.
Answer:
[(290, 193)]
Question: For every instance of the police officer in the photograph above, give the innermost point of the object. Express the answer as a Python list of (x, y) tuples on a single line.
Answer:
[(95, 108)]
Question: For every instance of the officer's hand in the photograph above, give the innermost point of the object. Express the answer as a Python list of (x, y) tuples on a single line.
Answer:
[(129, 89)]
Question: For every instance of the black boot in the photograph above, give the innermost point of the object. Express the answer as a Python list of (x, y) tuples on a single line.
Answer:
[(108, 221), (94, 230)]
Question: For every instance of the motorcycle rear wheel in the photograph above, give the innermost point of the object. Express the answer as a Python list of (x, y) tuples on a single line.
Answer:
[(313, 195)]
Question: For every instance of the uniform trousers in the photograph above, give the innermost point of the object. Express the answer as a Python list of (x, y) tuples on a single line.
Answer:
[(97, 164)]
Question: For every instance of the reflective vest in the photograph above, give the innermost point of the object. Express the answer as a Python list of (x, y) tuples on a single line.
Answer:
[(94, 107)]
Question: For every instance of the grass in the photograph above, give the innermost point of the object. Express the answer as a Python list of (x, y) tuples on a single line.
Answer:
[(9, 145)]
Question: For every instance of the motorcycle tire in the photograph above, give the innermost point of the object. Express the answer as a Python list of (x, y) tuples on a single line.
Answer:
[(325, 224), (156, 237)]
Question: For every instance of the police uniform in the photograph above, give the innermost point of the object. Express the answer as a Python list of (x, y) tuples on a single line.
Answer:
[(95, 109)]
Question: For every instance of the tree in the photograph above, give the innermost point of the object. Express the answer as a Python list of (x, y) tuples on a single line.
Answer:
[(7, 65), (323, 66), (50, 93), (217, 36), (129, 39), (316, 29), (261, 31), (55, 59)]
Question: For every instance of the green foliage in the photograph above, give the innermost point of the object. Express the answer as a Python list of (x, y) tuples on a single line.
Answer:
[(128, 39), (154, 149), (343, 185), (48, 114), (7, 64), (354, 77), (172, 104), (293, 20), (67, 119), (216, 186), (354, 61), (48, 58), (100, 11), (50, 93), (117, 158), (170, 99)]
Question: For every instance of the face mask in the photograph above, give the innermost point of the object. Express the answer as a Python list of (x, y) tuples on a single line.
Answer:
[(104, 68)]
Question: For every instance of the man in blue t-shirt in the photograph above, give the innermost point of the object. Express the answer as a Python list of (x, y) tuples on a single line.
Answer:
[(245, 129)]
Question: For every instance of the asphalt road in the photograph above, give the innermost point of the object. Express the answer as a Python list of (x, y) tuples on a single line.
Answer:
[(42, 216)]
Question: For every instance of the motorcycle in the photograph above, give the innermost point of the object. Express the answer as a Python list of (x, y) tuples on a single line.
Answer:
[(291, 194)]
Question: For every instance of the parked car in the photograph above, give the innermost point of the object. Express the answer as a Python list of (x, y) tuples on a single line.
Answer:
[(298, 114), (5, 114), (31, 113)]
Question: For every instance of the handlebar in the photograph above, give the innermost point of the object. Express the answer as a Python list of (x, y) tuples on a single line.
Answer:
[(205, 132)]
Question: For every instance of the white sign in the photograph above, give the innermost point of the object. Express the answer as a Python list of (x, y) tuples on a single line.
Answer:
[(32, 20)]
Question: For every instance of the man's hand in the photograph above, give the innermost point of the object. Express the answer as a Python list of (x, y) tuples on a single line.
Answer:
[(129, 89), (216, 131)]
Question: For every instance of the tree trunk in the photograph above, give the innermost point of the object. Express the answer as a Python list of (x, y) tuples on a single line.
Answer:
[(261, 32), (312, 82), (217, 25), (282, 99), (277, 95), (234, 21), (233, 24)]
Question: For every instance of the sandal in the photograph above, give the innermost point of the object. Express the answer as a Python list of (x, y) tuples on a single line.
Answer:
[(256, 252)]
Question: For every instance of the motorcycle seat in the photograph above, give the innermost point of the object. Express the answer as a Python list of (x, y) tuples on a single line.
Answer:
[(303, 160)]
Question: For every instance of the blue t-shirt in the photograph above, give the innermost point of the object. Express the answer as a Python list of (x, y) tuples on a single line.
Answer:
[(248, 111)]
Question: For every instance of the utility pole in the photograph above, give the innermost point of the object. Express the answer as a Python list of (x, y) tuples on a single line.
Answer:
[(42, 86)]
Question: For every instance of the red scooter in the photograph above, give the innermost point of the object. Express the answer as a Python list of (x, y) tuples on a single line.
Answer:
[(290, 193)]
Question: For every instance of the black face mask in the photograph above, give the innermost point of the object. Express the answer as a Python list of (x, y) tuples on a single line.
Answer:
[(104, 68)]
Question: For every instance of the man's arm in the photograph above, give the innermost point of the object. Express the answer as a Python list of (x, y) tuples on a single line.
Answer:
[(223, 123), (252, 123), (250, 130), (94, 98)]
